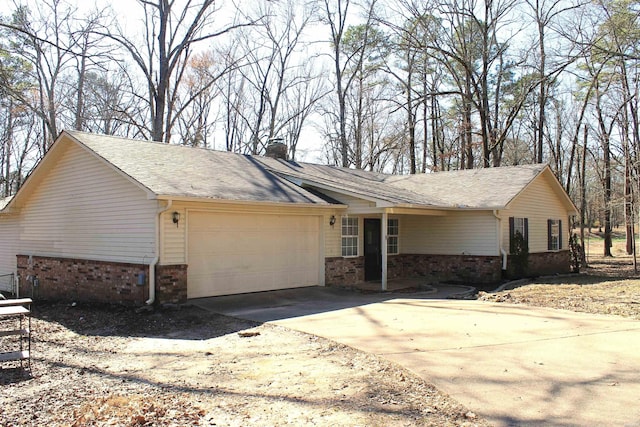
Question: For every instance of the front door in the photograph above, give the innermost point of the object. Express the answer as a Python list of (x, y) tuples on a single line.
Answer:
[(372, 250)]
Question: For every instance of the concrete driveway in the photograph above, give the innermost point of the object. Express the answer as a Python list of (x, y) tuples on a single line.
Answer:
[(513, 365)]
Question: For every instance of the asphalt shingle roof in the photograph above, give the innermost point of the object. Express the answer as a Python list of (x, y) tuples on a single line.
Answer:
[(472, 188), (358, 182), (174, 170)]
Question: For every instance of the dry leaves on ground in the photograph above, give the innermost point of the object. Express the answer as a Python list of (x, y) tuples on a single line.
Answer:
[(605, 288), (103, 366)]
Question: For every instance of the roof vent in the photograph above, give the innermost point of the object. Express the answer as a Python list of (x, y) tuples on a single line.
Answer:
[(276, 149)]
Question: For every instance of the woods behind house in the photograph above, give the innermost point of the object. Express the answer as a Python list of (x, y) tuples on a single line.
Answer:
[(401, 86)]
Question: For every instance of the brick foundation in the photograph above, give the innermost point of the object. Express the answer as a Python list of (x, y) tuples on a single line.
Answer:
[(545, 263), (172, 283), (466, 269), (437, 268), (72, 279), (343, 271)]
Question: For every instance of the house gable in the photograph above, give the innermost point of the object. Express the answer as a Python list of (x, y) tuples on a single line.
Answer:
[(552, 187), (541, 200), (75, 205), (180, 172)]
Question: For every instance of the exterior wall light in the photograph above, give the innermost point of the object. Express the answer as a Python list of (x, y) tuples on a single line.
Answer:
[(175, 218), (332, 220)]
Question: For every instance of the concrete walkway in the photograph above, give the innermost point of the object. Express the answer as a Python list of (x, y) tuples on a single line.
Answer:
[(513, 365)]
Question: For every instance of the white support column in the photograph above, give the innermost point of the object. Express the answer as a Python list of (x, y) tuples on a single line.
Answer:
[(383, 243)]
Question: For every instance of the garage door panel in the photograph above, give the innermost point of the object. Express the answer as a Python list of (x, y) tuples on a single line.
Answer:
[(236, 253)]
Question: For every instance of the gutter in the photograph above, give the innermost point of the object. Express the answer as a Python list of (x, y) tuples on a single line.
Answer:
[(502, 251), (258, 205), (152, 264)]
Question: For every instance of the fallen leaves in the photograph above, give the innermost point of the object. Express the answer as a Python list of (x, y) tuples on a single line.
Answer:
[(138, 410), (599, 298), (106, 366), (598, 292)]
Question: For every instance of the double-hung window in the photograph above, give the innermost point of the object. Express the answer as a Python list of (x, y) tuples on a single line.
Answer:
[(518, 227), (554, 234), (349, 236), (393, 228)]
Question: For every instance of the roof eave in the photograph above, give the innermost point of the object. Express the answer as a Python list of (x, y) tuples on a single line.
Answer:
[(449, 208), (149, 192), (559, 190), (321, 206), (34, 175)]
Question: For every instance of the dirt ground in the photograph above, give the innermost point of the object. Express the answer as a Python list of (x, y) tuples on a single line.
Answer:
[(610, 286), (113, 366)]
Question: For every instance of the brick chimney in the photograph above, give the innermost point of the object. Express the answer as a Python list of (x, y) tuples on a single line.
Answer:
[(276, 149)]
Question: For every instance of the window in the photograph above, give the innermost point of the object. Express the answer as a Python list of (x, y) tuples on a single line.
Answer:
[(349, 236), (554, 234), (392, 236), (518, 227)]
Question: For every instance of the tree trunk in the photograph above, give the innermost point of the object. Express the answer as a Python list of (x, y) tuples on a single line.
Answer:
[(467, 135), (583, 196), (411, 122), (157, 130), (606, 157)]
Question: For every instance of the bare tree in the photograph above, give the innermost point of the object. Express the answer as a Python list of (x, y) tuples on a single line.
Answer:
[(170, 32), (336, 19), (49, 60), (545, 13), (274, 66)]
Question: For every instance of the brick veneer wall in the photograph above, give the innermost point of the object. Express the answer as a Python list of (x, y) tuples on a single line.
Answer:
[(344, 271), (172, 283), (72, 279), (446, 268), (544, 263), (437, 268)]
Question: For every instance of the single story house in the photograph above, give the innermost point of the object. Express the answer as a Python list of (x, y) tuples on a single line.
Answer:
[(111, 219)]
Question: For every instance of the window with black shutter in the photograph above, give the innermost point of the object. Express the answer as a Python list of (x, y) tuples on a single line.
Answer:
[(518, 226), (554, 234)]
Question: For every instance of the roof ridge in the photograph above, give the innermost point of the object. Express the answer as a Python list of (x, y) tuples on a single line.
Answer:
[(157, 143)]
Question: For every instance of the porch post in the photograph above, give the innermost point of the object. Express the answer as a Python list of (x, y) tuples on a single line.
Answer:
[(383, 243)]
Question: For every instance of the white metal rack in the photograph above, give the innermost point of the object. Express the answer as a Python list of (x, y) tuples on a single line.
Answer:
[(17, 348)]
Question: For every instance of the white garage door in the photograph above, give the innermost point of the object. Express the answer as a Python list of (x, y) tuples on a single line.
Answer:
[(237, 253)]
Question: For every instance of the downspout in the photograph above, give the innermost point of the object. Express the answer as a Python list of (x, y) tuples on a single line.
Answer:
[(152, 264), (502, 251)]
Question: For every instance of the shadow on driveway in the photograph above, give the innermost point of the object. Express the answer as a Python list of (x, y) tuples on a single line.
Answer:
[(515, 365), (288, 303)]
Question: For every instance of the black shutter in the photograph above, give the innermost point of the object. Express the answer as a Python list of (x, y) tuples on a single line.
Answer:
[(549, 235), (526, 232), (559, 234), (511, 226)]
